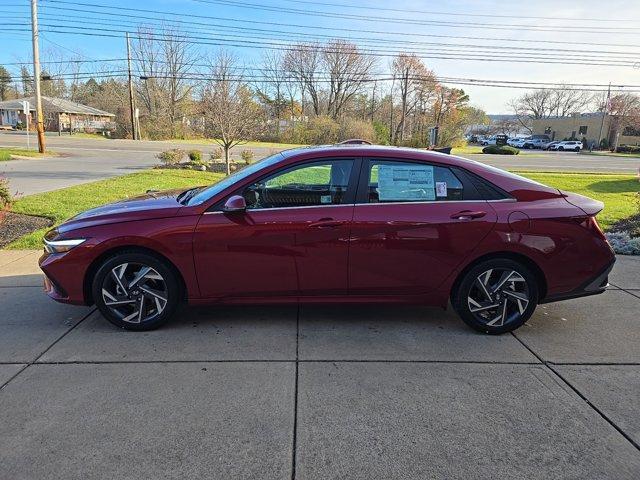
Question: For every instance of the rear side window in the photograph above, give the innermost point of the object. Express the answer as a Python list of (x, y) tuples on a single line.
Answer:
[(397, 181)]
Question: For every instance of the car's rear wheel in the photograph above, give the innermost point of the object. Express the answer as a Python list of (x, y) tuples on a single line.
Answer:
[(577, 149), (136, 291), (496, 296), (561, 149)]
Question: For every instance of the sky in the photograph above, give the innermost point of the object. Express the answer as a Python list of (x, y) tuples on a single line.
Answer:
[(486, 37)]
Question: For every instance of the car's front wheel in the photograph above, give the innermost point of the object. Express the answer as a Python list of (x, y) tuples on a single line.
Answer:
[(496, 296), (136, 291)]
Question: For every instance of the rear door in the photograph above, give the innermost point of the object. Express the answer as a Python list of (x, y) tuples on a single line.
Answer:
[(413, 224)]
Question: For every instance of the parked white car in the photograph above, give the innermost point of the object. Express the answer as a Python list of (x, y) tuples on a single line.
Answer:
[(540, 143), (573, 145), (488, 141), (516, 142)]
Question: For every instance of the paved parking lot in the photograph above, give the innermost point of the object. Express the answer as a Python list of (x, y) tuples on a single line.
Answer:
[(318, 392)]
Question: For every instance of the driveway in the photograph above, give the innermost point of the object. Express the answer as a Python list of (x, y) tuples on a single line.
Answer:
[(318, 392), (87, 160)]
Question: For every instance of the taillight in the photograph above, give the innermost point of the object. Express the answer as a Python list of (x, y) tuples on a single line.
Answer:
[(591, 224)]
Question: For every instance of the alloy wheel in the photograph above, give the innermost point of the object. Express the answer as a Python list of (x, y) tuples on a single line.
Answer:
[(498, 296), (135, 292)]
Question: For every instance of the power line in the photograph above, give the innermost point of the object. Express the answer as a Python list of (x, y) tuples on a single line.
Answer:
[(367, 52), (363, 40), (409, 21), (245, 21), (492, 15)]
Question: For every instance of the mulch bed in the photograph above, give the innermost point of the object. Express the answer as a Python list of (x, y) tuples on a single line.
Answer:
[(631, 225), (14, 225)]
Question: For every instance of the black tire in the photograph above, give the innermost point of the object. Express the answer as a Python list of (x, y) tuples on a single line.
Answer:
[(162, 283), (560, 149), (514, 314), (577, 149)]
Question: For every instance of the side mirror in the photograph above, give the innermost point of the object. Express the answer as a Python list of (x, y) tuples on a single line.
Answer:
[(235, 203)]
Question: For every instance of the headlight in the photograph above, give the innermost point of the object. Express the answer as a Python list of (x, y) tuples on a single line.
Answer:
[(61, 246)]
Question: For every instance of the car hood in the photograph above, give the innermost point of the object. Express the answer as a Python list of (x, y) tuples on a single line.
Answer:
[(144, 207)]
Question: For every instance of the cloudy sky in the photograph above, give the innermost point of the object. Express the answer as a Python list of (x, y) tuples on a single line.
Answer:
[(538, 41)]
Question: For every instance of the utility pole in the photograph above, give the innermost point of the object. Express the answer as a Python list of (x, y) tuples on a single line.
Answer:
[(36, 75), (132, 100), (604, 114)]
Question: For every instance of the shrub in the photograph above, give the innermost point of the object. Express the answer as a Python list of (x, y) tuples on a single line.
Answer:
[(4, 156), (623, 244), (351, 128), (604, 144), (195, 155), (320, 130), (171, 157), (247, 156), (628, 149), (382, 133), (217, 154), (501, 150), (5, 193)]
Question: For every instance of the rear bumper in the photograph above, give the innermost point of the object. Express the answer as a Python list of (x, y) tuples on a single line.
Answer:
[(594, 286)]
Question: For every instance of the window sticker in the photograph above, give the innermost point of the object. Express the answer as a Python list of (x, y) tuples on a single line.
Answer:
[(441, 189), (325, 199), (405, 182)]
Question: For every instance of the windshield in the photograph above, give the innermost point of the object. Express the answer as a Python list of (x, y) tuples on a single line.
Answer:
[(207, 193)]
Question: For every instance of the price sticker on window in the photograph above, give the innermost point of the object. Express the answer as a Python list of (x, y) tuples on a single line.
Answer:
[(405, 182), (441, 189)]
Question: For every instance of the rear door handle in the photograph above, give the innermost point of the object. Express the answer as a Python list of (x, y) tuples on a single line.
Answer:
[(468, 215), (326, 223)]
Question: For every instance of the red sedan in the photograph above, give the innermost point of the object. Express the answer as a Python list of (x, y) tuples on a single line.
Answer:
[(347, 223)]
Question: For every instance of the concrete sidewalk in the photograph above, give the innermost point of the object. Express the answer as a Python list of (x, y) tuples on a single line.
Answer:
[(316, 393)]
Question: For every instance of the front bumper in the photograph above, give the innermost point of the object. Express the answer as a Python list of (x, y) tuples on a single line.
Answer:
[(64, 275), (594, 286)]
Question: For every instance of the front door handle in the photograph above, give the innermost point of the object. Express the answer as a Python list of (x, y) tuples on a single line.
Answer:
[(468, 215), (326, 223)]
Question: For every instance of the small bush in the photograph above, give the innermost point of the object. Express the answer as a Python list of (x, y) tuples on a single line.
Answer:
[(171, 157), (350, 128), (217, 154), (623, 244), (628, 149), (382, 132), (247, 156), (501, 150), (5, 193), (4, 156), (604, 144), (195, 155)]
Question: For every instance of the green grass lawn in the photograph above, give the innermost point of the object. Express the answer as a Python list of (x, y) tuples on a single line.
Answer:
[(6, 152), (209, 141), (616, 191), (611, 154), (63, 204), (466, 150)]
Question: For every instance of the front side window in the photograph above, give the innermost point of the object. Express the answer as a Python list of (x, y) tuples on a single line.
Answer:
[(395, 181), (312, 184)]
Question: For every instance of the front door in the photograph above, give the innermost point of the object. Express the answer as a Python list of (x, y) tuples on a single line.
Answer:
[(292, 240), (412, 227)]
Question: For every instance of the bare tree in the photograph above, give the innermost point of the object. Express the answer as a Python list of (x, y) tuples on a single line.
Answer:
[(303, 63), (625, 109), (232, 116), (416, 84), (165, 61), (273, 88), (547, 102), (348, 70)]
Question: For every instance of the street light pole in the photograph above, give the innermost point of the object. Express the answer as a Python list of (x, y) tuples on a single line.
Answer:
[(132, 100), (36, 75)]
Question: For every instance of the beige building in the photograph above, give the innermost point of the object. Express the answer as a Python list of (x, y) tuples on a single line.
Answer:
[(587, 125), (60, 115)]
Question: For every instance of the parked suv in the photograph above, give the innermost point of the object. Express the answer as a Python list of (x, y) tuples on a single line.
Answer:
[(575, 145)]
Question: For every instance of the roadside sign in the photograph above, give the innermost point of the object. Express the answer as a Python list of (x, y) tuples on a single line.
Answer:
[(25, 110), (25, 107)]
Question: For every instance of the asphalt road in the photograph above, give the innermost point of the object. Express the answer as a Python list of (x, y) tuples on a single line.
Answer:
[(348, 392), (86, 160)]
